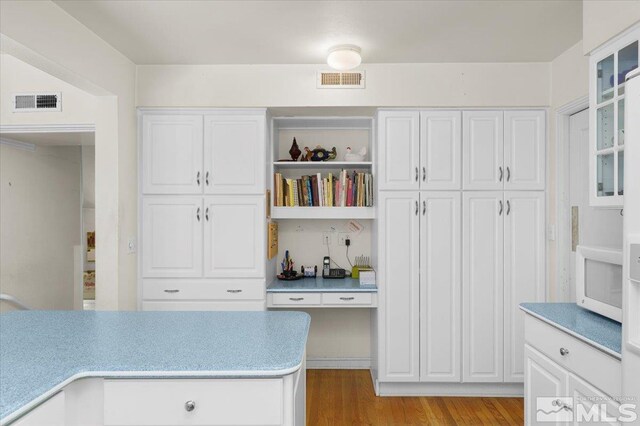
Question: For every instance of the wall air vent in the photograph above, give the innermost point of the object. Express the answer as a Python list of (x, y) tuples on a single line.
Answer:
[(30, 102), (340, 80)]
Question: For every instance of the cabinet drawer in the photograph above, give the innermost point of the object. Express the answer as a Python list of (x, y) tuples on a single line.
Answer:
[(347, 299), (217, 402), (580, 358), (296, 298), (206, 305), (203, 290)]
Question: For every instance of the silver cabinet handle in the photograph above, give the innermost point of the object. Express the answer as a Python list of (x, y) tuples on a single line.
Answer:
[(206, 178), (417, 174), (346, 298), (501, 208), (424, 174), (564, 351), (500, 172), (206, 214), (561, 404), (508, 174), (198, 214), (417, 208), (424, 207), (234, 291), (190, 406), (172, 290), (198, 178), (296, 299), (508, 207)]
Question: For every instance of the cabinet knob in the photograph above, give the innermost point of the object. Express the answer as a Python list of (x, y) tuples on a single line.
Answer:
[(424, 174), (417, 174), (508, 174), (190, 405), (206, 214), (198, 214), (564, 351), (500, 208), (417, 208), (206, 178), (500, 173), (198, 178)]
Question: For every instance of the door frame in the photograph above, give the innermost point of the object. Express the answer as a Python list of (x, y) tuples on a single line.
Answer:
[(563, 200)]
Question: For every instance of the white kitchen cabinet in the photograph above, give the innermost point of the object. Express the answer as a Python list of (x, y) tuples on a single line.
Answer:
[(440, 287), (543, 379), (52, 412), (483, 150), (524, 150), (588, 396), (482, 282), (172, 236), (234, 237), (172, 154), (399, 150), (399, 263), (234, 154), (524, 271), (440, 149)]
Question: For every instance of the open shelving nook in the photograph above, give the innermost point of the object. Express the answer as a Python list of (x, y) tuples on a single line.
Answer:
[(327, 132)]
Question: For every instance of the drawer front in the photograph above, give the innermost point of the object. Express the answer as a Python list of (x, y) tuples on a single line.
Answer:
[(347, 299), (579, 357), (203, 290), (296, 299), (207, 305), (216, 402)]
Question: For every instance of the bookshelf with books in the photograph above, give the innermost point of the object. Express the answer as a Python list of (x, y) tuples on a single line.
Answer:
[(333, 189)]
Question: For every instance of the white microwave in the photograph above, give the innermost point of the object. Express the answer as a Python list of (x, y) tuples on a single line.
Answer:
[(599, 280)]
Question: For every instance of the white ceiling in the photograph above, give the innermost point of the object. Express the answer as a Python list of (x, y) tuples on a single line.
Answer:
[(300, 32), (52, 139)]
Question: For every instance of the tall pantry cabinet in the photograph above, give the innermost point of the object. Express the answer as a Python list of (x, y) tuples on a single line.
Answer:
[(461, 243), (202, 221)]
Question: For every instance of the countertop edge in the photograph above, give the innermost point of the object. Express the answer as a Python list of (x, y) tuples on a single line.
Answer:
[(593, 343), (145, 375)]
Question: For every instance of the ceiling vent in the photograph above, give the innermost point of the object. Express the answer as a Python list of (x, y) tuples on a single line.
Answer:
[(30, 102), (340, 80)]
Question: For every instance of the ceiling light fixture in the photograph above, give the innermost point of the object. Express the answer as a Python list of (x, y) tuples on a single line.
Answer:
[(344, 57)]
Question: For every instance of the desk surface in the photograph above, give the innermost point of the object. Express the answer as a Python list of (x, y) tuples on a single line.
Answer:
[(320, 285)]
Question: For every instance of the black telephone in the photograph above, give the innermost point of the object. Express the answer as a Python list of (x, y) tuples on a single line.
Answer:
[(328, 272)]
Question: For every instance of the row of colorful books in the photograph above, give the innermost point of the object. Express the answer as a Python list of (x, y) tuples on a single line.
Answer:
[(345, 189)]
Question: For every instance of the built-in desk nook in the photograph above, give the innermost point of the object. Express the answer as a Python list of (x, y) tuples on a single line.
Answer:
[(319, 292)]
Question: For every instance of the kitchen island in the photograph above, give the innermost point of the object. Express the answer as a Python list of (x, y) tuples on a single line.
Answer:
[(160, 368)]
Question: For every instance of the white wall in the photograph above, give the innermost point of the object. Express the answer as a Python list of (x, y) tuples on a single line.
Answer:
[(477, 85), (65, 48), (39, 223), (88, 198), (604, 19)]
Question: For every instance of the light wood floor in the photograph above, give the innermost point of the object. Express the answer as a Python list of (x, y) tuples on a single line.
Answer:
[(346, 397)]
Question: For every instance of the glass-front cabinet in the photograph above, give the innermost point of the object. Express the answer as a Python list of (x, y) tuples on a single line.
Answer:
[(608, 68)]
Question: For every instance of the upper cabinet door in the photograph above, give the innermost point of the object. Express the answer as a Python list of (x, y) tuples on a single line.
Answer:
[(172, 154), (234, 237), (440, 287), (482, 147), (524, 150), (399, 287), (524, 271), (234, 150), (482, 286), (172, 237), (398, 136), (440, 146)]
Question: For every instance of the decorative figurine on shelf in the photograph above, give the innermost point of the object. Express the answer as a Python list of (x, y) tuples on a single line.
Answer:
[(349, 156), (319, 154), (307, 154), (294, 151), (333, 153), (288, 271)]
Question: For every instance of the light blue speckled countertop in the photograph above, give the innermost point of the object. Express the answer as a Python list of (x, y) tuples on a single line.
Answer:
[(42, 350), (320, 285), (583, 324)]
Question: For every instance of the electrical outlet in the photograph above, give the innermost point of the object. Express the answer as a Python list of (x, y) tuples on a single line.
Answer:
[(342, 236), (326, 238)]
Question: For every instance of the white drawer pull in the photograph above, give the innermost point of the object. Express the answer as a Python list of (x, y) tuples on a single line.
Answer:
[(564, 351), (234, 291), (190, 405), (296, 299), (346, 299), (172, 291)]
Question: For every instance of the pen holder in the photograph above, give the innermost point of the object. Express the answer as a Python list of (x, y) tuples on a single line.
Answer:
[(355, 272)]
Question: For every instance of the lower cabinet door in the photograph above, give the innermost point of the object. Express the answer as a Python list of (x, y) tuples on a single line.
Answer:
[(49, 413), (399, 318), (234, 237), (545, 390), (440, 326), (592, 405)]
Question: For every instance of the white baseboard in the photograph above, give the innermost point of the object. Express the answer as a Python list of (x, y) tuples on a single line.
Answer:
[(450, 389), (338, 363)]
